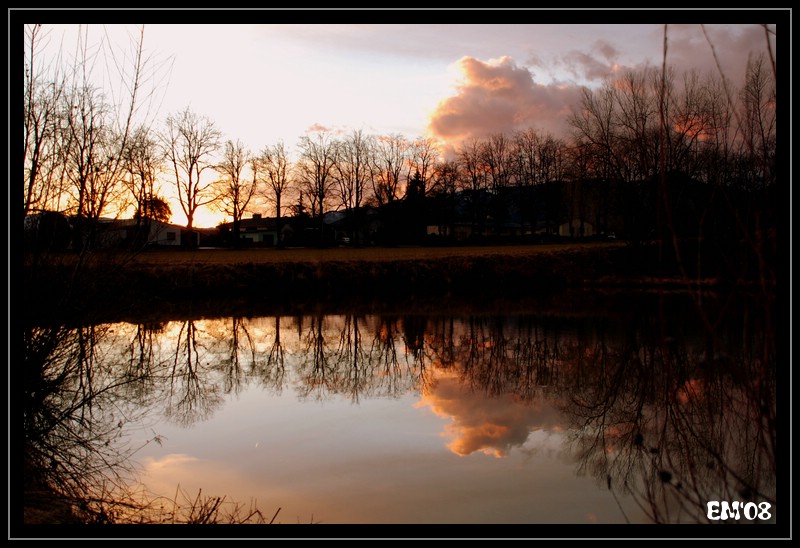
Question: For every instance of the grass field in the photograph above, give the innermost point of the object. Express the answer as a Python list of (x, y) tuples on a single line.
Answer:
[(301, 277), (346, 254)]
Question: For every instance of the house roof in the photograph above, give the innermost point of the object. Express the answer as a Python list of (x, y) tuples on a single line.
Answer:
[(261, 223)]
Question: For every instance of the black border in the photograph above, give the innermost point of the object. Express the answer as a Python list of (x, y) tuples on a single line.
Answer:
[(780, 16)]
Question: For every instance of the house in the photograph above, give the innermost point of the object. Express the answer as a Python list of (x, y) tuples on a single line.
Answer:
[(166, 234), (358, 227), (55, 230), (576, 228), (47, 230), (258, 230), (458, 231), (150, 232)]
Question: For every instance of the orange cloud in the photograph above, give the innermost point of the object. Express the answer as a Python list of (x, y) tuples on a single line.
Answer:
[(316, 127), (499, 97), (485, 423)]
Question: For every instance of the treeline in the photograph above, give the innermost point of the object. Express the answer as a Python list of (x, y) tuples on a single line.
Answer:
[(652, 156)]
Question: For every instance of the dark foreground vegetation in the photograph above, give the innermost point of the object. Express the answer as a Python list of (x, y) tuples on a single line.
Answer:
[(112, 286)]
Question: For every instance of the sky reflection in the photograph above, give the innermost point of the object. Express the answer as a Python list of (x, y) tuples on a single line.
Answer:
[(415, 419), (486, 424), (380, 461)]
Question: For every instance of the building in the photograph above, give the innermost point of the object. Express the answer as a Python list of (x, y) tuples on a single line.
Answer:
[(258, 230)]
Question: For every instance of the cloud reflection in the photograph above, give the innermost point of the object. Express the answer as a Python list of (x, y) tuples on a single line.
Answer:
[(490, 424), (192, 474)]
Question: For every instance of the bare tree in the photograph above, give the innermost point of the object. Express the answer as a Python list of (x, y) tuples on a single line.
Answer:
[(537, 159), (593, 124), (445, 185), (353, 169), (189, 143), (142, 164), (234, 191), (93, 155), (192, 394), (758, 123), (318, 157), (274, 167), (637, 123), (496, 155), (496, 152), (355, 371), (42, 119), (78, 120), (391, 158), (474, 179), (96, 129), (423, 156)]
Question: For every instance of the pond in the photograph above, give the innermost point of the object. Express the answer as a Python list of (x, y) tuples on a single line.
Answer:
[(623, 408)]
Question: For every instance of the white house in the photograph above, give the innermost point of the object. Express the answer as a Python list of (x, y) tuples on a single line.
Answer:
[(576, 228), (114, 232)]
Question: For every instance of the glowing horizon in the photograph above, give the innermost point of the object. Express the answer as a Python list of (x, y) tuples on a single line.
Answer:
[(449, 82)]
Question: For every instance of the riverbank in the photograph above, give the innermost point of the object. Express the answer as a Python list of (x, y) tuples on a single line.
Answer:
[(299, 278), (590, 281)]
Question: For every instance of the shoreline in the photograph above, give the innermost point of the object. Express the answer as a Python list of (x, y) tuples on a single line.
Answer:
[(357, 278)]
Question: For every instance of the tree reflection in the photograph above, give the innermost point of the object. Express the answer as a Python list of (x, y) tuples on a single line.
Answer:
[(272, 369), (392, 376), (414, 336), (76, 406), (192, 395), (353, 360), (316, 373), (537, 359), (672, 425), (140, 368), (240, 344), (388, 372), (670, 413)]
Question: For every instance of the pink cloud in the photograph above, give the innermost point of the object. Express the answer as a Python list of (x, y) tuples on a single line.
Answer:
[(317, 128), (500, 97)]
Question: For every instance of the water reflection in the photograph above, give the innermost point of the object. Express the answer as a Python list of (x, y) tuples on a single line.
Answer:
[(653, 406), (79, 396)]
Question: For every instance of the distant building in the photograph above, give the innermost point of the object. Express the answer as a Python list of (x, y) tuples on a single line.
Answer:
[(113, 232), (47, 230), (258, 230), (56, 231), (576, 228)]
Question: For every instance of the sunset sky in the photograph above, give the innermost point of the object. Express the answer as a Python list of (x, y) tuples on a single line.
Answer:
[(267, 82)]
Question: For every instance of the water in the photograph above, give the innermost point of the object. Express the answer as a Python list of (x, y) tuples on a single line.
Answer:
[(626, 409)]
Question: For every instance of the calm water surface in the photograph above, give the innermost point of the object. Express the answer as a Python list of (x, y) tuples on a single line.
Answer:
[(638, 413)]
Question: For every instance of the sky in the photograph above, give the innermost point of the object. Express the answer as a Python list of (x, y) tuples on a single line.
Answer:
[(263, 83)]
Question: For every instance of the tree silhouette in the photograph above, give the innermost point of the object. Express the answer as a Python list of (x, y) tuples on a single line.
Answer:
[(189, 142), (275, 175), (234, 191), (318, 158)]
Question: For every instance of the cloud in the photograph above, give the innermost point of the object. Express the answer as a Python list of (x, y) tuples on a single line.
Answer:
[(593, 66), (702, 47), (484, 423), (500, 97), (316, 127)]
